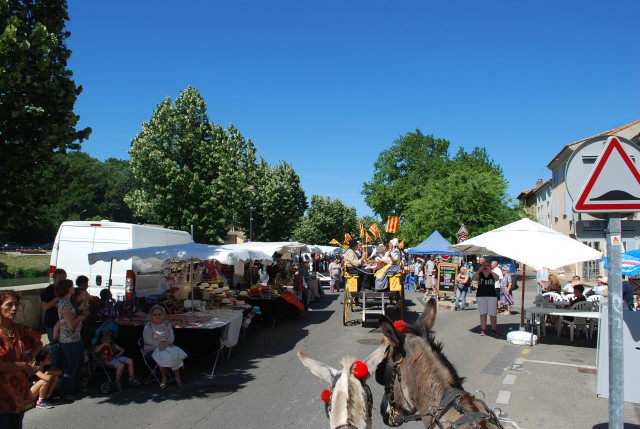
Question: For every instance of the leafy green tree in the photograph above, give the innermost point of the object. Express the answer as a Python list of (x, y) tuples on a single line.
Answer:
[(326, 219), (279, 202), (91, 189), (37, 98), (402, 172), (189, 171), (470, 184)]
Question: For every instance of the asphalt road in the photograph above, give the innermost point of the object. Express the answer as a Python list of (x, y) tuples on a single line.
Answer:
[(264, 385)]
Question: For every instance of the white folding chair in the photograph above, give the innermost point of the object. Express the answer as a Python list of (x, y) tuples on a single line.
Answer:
[(151, 365)]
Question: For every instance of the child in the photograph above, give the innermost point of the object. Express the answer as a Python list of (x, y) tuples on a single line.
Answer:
[(113, 355), (46, 379)]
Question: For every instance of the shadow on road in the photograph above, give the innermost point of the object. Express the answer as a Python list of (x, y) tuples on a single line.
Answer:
[(231, 374)]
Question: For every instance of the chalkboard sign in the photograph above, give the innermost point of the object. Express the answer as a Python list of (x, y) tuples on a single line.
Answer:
[(447, 274)]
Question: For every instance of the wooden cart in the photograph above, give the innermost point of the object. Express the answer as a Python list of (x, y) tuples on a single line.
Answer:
[(370, 302)]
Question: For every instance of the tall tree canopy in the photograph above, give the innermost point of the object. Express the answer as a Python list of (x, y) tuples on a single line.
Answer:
[(326, 219), (279, 202), (191, 172), (37, 97), (417, 179)]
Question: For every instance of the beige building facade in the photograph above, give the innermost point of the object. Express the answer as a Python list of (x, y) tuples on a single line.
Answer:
[(554, 206)]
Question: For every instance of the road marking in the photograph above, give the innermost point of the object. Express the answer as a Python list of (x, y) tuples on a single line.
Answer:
[(560, 363), (509, 379), (519, 361), (503, 397), (525, 351)]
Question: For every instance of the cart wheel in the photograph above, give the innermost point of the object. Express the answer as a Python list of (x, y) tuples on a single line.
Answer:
[(85, 382), (105, 387), (345, 316)]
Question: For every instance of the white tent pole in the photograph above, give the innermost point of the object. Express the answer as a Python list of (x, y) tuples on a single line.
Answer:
[(524, 275)]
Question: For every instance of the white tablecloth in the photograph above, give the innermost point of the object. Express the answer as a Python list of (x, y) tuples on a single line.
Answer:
[(233, 321)]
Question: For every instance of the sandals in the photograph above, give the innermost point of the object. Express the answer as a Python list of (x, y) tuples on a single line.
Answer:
[(179, 383), (163, 385)]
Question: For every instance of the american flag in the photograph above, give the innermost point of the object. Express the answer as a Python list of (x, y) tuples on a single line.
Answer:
[(392, 224), (374, 230)]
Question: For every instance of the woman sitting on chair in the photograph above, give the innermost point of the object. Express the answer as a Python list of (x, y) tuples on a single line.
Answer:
[(158, 341)]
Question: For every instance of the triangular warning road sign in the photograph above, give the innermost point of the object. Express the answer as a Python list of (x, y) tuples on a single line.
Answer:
[(463, 230), (613, 185)]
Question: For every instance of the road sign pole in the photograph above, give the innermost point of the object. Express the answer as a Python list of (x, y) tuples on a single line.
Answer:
[(616, 356)]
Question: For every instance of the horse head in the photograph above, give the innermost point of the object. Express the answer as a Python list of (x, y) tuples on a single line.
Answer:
[(348, 401), (420, 383)]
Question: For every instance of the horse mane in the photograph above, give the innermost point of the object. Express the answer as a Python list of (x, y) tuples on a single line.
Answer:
[(437, 346)]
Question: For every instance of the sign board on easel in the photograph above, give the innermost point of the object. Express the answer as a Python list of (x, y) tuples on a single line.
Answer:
[(446, 278)]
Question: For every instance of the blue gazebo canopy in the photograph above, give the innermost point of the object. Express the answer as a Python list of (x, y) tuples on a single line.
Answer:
[(434, 245)]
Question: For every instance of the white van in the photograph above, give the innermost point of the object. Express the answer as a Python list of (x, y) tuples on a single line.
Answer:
[(75, 240)]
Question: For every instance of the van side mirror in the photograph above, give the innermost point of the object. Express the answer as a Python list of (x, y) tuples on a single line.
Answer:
[(98, 280)]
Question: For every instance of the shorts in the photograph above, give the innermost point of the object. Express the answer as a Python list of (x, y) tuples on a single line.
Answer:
[(115, 361), (487, 305)]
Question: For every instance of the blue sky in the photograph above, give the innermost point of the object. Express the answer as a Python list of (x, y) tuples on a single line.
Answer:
[(328, 85)]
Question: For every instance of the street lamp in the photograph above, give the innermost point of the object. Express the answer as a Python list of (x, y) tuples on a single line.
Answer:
[(252, 189)]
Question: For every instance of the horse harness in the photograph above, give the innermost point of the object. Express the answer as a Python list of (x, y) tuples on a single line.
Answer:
[(368, 398), (388, 374)]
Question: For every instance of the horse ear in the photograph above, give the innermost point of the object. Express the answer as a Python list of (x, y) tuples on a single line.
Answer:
[(320, 370), (374, 359), (428, 317), (386, 326)]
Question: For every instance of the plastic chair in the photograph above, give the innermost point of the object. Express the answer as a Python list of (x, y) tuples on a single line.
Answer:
[(578, 322), (553, 295)]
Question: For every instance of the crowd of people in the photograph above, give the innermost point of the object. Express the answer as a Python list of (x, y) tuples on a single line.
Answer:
[(78, 329)]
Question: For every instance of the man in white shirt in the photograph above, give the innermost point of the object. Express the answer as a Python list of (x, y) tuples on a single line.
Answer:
[(496, 269)]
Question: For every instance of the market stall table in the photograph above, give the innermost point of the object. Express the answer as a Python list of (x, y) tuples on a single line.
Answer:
[(221, 328), (285, 304)]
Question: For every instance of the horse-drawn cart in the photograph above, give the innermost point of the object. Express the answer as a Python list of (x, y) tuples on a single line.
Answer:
[(371, 302)]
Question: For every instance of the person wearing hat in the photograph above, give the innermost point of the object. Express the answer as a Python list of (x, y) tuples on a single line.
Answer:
[(354, 266)]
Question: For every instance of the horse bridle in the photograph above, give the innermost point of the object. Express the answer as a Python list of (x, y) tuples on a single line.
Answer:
[(369, 399), (388, 374)]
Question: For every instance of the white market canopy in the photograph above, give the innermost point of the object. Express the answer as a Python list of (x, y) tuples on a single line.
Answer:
[(531, 243), (283, 247), (225, 254), (326, 249)]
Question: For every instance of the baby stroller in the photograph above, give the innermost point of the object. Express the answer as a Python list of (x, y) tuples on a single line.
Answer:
[(96, 364), (410, 282)]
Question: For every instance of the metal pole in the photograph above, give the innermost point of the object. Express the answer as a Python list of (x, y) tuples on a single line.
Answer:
[(251, 218), (524, 274), (616, 356)]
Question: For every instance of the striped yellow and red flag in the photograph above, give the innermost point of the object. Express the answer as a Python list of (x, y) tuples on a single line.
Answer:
[(347, 238), (392, 224), (361, 231), (335, 242), (375, 231)]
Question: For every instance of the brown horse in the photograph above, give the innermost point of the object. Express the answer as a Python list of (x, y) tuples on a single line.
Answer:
[(348, 403), (420, 382)]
